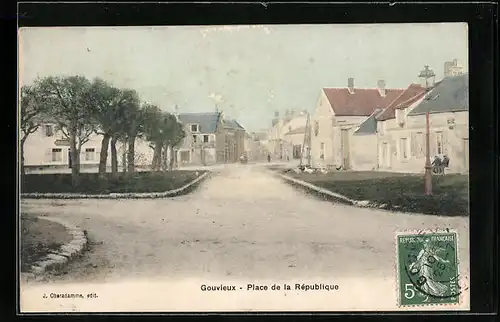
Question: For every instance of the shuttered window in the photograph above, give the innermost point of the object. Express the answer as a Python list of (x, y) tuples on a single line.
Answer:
[(403, 148)]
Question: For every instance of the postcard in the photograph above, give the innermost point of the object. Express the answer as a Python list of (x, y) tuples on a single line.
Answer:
[(244, 168)]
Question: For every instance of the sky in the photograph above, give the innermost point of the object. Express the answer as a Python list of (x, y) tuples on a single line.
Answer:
[(249, 71)]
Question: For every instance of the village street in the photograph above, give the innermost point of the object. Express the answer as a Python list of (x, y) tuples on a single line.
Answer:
[(243, 222)]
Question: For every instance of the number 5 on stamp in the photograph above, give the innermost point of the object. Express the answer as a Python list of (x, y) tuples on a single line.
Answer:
[(427, 268)]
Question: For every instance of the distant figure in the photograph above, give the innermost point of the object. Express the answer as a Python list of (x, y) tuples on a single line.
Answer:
[(446, 161), (437, 165), (268, 158), (436, 162)]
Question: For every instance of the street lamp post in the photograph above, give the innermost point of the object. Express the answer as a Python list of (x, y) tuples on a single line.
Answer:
[(428, 165), (427, 73)]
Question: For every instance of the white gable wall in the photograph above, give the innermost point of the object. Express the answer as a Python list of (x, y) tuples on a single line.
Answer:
[(323, 116)]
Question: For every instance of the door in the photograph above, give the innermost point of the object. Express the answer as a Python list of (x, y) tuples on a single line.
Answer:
[(344, 148), (466, 155)]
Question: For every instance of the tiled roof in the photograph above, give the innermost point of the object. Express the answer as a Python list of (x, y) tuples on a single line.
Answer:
[(408, 94), (450, 95), (298, 130), (360, 103), (207, 121)]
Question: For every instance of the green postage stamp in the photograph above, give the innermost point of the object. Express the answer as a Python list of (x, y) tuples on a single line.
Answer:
[(428, 268)]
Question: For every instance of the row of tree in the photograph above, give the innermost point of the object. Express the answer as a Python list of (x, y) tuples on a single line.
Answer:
[(80, 108)]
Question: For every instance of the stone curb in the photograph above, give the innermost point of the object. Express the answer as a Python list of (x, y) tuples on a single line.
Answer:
[(57, 259), (342, 198), (132, 195)]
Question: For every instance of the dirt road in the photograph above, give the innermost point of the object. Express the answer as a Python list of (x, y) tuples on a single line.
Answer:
[(242, 224)]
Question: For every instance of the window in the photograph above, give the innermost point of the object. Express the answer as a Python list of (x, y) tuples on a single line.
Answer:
[(194, 138), (49, 130), (419, 144), (439, 142), (56, 155), (89, 154), (316, 128), (205, 138), (403, 149), (322, 155), (194, 128)]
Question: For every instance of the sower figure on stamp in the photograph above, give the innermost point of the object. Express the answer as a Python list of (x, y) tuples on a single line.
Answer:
[(423, 264)]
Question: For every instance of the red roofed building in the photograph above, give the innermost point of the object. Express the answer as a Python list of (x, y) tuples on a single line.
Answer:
[(339, 113), (408, 95)]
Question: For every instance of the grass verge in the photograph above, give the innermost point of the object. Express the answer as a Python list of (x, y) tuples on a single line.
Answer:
[(38, 238), (140, 182), (401, 192)]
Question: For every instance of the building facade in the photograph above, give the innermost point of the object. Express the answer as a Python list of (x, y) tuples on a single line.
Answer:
[(402, 139), (339, 113), (286, 137), (48, 147), (209, 139)]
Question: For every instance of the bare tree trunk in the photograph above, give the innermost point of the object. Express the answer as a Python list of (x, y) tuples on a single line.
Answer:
[(173, 155), (157, 157), (103, 156), (114, 157), (124, 156), (131, 155), (23, 170), (75, 160), (165, 157)]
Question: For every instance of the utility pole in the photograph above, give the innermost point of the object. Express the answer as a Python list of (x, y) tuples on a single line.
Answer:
[(427, 73), (307, 141)]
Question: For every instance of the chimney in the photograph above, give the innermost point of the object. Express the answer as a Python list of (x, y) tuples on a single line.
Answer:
[(350, 85), (381, 87)]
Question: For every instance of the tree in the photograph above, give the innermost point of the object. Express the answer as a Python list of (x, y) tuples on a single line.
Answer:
[(104, 103), (161, 129), (174, 138), (132, 125), (114, 111), (66, 99), (31, 110)]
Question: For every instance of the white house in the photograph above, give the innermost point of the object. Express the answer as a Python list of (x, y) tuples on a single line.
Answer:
[(401, 139), (47, 147), (209, 139), (285, 138), (338, 114), (365, 147)]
